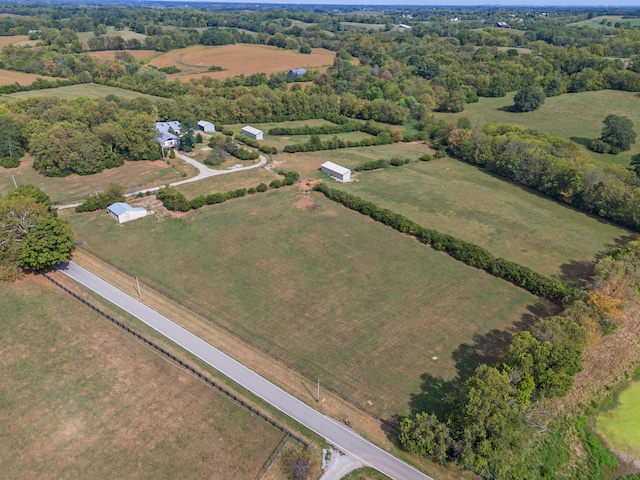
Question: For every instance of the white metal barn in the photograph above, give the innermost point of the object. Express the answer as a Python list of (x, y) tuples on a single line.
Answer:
[(123, 212), (206, 127), (253, 132), (336, 171)]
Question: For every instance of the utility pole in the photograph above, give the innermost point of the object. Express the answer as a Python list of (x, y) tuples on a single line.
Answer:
[(138, 285), (14, 181), (318, 390)]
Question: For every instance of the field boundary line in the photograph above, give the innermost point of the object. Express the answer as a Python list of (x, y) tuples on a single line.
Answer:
[(184, 365), (272, 458), (393, 425)]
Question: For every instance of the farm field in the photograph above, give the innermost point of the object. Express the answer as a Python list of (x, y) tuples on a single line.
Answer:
[(125, 33), (366, 26), (111, 54), (13, 40), (132, 175), (10, 76), (241, 58), (620, 426), (307, 164), (595, 22), (90, 90), (82, 399), (506, 219), (343, 298), (573, 116)]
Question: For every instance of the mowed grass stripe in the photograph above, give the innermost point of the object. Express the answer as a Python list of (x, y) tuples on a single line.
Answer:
[(506, 219), (343, 298), (82, 399), (620, 426)]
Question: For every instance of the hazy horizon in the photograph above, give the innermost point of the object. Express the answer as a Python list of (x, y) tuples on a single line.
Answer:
[(439, 3)]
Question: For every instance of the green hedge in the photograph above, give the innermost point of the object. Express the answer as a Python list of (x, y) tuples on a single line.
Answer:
[(469, 253)]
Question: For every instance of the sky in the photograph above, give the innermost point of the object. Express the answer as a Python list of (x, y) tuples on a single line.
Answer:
[(452, 3)]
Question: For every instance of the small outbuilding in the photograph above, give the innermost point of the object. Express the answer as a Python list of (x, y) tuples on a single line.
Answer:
[(336, 171), (296, 73), (253, 132), (206, 127), (124, 212)]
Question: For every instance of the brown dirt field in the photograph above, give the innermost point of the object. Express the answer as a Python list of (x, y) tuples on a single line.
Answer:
[(4, 41), (86, 400), (9, 76), (111, 54), (237, 59)]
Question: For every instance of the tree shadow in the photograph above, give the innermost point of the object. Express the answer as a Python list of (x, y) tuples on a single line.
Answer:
[(438, 396), (576, 273), (507, 108), (581, 140)]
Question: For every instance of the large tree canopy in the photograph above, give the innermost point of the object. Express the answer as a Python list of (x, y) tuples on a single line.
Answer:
[(528, 99), (32, 237), (617, 135)]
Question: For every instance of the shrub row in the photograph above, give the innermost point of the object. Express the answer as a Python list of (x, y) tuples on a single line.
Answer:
[(256, 144), (315, 143), (174, 199), (318, 130), (381, 163), (99, 202), (466, 252)]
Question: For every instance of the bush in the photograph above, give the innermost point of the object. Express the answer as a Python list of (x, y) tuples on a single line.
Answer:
[(276, 183), (197, 202), (172, 153), (427, 157), (440, 154), (262, 187), (398, 161), (290, 178), (9, 162), (528, 99), (216, 198), (599, 146), (215, 157), (251, 191), (173, 199)]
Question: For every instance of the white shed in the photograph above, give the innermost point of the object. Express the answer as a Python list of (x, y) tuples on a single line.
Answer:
[(123, 212), (253, 132), (336, 171), (206, 127)]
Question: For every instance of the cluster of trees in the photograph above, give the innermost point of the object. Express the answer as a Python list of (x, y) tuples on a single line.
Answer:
[(219, 143), (174, 199), (315, 143), (381, 163), (256, 144), (617, 135), (554, 167), (486, 424), (32, 237), (113, 193), (469, 253), (78, 136)]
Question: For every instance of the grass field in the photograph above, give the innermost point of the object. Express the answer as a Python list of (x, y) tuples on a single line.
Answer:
[(13, 40), (241, 58), (10, 76), (365, 26), (620, 426), (82, 399), (132, 175), (111, 54), (595, 22), (345, 299), (125, 33), (508, 220), (574, 116), (90, 90)]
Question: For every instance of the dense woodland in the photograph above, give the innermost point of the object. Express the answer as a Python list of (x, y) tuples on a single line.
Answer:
[(387, 75)]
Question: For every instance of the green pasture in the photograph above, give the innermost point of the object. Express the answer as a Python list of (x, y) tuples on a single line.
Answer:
[(90, 90), (125, 33), (574, 116), (620, 426), (595, 22), (507, 219), (80, 398), (343, 298)]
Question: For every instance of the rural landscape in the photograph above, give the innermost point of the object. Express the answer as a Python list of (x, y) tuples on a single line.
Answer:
[(319, 242)]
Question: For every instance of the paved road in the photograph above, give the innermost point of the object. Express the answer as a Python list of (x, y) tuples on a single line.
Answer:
[(204, 172), (333, 431)]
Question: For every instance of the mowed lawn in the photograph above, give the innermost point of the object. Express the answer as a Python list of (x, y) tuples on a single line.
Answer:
[(573, 116), (132, 176), (508, 220), (620, 426), (80, 398), (343, 298), (89, 90)]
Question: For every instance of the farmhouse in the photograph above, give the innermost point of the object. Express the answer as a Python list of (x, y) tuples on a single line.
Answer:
[(206, 127), (253, 133), (123, 212), (404, 26), (336, 171), (502, 25), (164, 137), (296, 73), (166, 127)]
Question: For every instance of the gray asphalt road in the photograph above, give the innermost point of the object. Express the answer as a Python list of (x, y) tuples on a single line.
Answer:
[(333, 431)]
